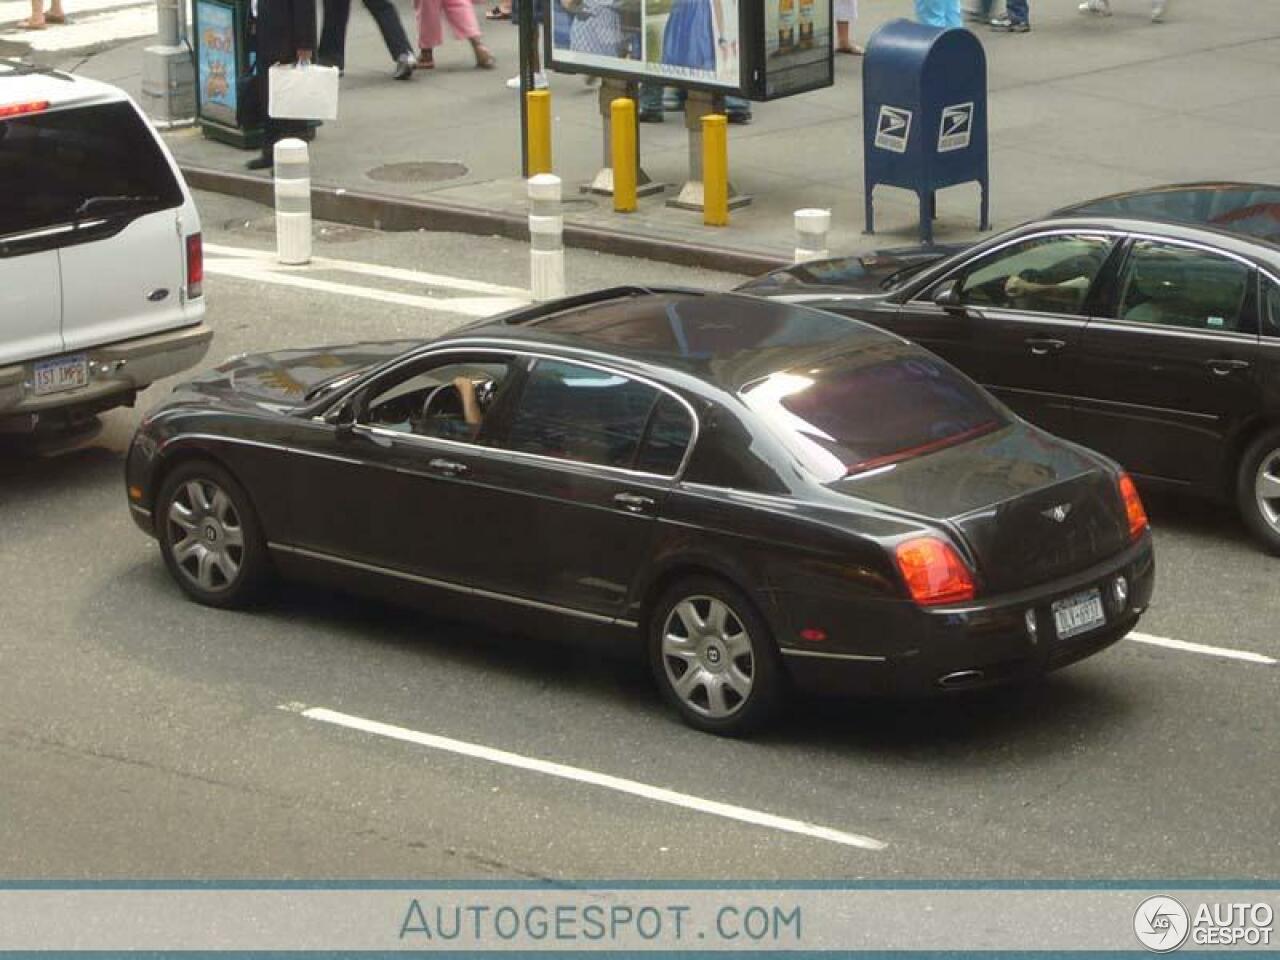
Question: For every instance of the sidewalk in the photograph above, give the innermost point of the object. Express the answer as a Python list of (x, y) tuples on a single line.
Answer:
[(1080, 107)]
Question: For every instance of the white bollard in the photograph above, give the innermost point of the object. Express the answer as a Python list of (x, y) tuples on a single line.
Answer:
[(293, 201), (811, 234), (546, 237)]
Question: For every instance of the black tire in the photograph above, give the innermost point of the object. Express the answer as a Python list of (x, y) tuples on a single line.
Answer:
[(222, 526), (1261, 514), (722, 658)]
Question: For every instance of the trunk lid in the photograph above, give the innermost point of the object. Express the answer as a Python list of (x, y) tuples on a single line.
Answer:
[(1030, 508)]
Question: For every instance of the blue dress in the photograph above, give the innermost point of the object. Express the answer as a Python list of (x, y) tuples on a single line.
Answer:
[(690, 37), (939, 13)]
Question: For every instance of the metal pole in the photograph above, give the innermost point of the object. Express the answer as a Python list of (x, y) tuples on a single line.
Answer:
[(526, 24)]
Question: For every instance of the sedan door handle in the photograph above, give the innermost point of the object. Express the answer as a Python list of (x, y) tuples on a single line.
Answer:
[(1224, 367), (634, 503), (1042, 347), (449, 468)]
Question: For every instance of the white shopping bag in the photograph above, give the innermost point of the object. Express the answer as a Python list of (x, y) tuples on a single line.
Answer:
[(303, 92)]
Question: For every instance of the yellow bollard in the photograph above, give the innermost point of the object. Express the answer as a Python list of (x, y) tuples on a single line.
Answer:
[(623, 125), (715, 170), (539, 103)]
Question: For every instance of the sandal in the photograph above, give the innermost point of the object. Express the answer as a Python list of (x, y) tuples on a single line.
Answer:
[(57, 18), (484, 56), (854, 51), (497, 13), (426, 59), (29, 24)]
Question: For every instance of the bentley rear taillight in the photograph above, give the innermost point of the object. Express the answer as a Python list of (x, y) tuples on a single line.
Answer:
[(934, 572), (1133, 508)]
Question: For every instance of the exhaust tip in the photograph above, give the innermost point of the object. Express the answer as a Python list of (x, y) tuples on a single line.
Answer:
[(960, 678)]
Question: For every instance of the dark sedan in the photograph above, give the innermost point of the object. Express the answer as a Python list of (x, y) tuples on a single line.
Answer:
[(1144, 325), (759, 493)]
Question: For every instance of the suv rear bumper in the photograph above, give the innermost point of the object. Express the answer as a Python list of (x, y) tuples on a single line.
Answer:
[(120, 368)]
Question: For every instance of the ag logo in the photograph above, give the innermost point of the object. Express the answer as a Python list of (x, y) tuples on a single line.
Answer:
[(1161, 924), (956, 127), (893, 129)]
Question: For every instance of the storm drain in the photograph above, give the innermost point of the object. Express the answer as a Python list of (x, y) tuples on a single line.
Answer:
[(426, 171)]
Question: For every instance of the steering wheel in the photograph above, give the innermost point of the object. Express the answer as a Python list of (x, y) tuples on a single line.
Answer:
[(443, 401)]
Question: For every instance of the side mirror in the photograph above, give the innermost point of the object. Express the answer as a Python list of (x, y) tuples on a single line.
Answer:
[(948, 297), (345, 418)]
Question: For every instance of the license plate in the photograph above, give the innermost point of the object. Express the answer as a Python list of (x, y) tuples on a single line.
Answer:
[(1078, 614), (65, 373)]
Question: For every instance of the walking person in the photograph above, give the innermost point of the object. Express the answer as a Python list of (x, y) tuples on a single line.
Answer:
[(462, 20), (281, 31), (539, 77), (333, 37), (939, 13), (846, 11), (1016, 19), (40, 19), (1103, 8)]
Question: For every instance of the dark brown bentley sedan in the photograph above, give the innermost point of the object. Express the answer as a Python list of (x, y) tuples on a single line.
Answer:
[(1144, 325), (760, 494)]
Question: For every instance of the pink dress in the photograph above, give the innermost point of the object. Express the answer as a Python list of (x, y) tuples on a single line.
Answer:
[(462, 18)]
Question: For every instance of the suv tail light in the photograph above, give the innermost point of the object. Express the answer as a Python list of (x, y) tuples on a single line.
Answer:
[(195, 266), (934, 572), (1133, 508)]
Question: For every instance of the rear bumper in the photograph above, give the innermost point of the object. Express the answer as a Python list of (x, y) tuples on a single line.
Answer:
[(116, 372), (948, 649)]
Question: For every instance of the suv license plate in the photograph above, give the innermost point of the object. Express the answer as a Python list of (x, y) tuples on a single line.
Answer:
[(65, 373), (1078, 614)]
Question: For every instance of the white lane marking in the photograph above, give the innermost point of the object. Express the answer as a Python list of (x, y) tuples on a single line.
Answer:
[(580, 775), (267, 259), (126, 23), (466, 306), (1247, 655)]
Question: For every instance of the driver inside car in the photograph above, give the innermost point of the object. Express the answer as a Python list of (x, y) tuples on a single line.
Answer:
[(1062, 286), (441, 416)]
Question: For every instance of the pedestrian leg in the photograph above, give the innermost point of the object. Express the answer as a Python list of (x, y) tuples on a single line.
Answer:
[(430, 31), (333, 34), (393, 35)]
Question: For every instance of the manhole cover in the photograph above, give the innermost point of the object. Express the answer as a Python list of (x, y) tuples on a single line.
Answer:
[(421, 172)]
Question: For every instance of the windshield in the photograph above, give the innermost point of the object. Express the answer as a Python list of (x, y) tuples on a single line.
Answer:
[(871, 408)]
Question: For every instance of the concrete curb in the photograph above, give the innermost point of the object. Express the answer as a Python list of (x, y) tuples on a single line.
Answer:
[(381, 212)]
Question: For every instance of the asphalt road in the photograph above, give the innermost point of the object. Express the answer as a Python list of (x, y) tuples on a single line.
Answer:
[(144, 736)]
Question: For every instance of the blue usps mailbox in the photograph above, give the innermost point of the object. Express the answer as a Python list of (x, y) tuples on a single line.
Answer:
[(924, 114)]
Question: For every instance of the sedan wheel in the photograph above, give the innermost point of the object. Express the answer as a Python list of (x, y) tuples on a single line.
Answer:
[(1258, 489), (713, 657), (209, 536)]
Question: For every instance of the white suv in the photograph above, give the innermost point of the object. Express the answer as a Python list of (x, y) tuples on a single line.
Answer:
[(100, 253)]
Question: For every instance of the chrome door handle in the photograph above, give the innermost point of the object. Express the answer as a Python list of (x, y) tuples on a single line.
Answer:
[(1224, 367), (634, 503), (1042, 347), (450, 468)]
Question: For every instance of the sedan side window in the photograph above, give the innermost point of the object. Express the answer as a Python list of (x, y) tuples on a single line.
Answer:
[(1182, 287), (667, 439), (1270, 308), (446, 400), (1043, 274), (580, 413)]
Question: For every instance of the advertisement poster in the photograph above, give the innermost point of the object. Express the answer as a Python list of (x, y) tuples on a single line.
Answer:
[(797, 43), (694, 41), (216, 69)]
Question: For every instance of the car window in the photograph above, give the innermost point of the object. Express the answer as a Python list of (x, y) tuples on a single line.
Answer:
[(668, 436), (1182, 287), (93, 159), (862, 410), (446, 400), (1043, 274), (580, 413), (1270, 308)]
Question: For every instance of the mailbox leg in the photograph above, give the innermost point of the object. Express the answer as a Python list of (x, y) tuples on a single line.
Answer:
[(926, 221), (984, 222), (869, 216), (933, 204)]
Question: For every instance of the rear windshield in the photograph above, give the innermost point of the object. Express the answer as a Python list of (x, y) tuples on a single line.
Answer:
[(872, 408), (89, 159)]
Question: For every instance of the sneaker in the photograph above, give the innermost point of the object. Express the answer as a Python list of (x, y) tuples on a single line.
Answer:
[(1010, 26), (1101, 7), (1158, 7), (539, 81), (404, 66)]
